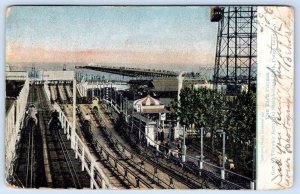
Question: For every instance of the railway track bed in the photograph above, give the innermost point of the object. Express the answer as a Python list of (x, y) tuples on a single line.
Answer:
[(45, 157), (152, 176), (127, 168)]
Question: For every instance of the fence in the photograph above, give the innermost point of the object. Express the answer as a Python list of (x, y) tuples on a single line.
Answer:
[(88, 161)]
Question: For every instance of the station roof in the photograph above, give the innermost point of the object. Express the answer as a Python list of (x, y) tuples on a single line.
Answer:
[(166, 85), (148, 101)]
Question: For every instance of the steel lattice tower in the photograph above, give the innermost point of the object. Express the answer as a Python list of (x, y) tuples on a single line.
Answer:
[(236, 50)]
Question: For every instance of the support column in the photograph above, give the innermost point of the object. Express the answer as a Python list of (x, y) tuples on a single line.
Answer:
[(92, 175), (126, 108), (66, 128), (183, 146), (103, 184), (76, 149), (140, 128), (223, 162), (252, 185), (100, 92), (63, 121), (180, 85), (201, 156), (82, 160), (73, 129), (68, 133)]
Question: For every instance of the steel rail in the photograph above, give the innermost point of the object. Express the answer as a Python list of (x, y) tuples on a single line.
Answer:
[(68, 160), (129, 168)]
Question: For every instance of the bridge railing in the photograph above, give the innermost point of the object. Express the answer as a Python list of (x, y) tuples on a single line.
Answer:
[(88, 163)]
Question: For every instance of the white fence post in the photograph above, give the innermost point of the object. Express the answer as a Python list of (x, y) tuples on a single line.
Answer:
[(82, 160), (92, 174), (223, 174), (76, 148), (103, 184), (78, 144), (252, 185), (66, 128)]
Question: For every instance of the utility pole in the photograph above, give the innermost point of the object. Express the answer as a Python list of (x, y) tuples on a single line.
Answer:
[(73, 131), (252, 183), (184, 146), (201, 148), (224, 157)]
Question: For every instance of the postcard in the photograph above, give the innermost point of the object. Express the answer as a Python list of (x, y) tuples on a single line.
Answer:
[(149, 97)]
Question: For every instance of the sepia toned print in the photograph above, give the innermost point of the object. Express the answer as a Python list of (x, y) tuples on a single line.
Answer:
[(134, 97)]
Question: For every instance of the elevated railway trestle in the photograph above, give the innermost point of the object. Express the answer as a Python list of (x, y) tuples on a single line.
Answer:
[(172, 175), (162, 161), (97, 178), (132, 173)]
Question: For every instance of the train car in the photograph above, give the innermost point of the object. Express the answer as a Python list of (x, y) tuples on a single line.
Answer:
[(86, 127), (85, 120), (31, 116), (216, 13), (54, 123), (95, 104)]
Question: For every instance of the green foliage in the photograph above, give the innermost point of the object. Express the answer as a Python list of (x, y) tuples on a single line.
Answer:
[(216, 111), (236, 115)]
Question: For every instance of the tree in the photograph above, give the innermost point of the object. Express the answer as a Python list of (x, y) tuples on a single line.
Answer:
[(236, 115)]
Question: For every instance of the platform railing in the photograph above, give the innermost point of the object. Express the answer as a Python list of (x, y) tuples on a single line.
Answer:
[(87, 159), (88, 162)]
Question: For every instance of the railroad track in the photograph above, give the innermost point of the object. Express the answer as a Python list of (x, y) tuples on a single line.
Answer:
[(53, 92), (136, 175), (30, 164), (29, 153), (69, 93), (62, 94), (177, 173), (188, 172), (68, 160), (64, 168), (114, 176), (30, 174)]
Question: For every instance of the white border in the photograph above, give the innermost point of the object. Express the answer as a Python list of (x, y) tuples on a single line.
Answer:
[(5, 3)]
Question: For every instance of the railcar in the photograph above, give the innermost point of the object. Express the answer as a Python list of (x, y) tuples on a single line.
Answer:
[(95, 104), (31, 116), (86, 127), (54, 123)]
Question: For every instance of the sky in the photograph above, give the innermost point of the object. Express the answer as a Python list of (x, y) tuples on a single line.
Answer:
[(141, 36)]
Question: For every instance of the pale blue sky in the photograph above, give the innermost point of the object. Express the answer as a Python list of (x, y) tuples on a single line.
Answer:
[(139, 29)]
